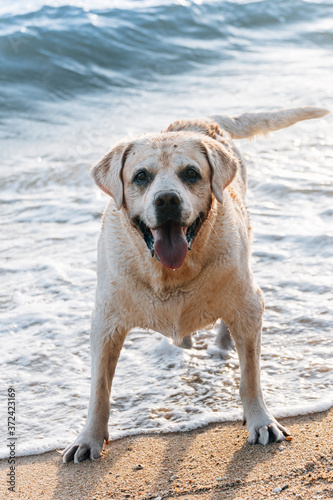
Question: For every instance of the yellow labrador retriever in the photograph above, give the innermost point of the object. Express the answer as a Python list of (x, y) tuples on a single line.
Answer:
[(173, 256)]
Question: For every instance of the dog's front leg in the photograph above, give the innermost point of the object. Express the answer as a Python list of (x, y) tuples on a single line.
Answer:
[(245, 328), (106, 344)]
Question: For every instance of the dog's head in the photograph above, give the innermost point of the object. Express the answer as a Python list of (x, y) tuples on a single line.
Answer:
[(165, 183)]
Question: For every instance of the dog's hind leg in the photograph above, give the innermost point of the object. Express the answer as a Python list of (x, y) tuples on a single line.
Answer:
[(187, 342), (223, 339)]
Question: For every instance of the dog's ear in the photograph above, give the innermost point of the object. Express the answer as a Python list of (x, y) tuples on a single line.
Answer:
[(107, 173), (223, 164)]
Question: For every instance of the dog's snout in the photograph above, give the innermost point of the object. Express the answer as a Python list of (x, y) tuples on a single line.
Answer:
[(167, 199)]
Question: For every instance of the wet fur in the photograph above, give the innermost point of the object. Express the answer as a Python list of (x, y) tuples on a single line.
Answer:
[(135, 290)]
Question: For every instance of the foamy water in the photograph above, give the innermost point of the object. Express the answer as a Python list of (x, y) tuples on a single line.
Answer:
[(74, 80)]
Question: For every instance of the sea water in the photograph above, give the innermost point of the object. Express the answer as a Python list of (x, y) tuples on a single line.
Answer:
[(74, 79)]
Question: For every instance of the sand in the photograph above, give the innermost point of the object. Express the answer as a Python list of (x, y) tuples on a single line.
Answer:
[(214, 462)]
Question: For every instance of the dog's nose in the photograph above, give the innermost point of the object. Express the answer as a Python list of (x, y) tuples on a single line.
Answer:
[(167, 199)]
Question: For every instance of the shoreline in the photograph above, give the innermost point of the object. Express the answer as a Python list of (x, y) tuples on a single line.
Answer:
[(212, 462)]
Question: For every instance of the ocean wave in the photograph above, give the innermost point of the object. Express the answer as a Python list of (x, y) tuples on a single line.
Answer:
[(57, 52)]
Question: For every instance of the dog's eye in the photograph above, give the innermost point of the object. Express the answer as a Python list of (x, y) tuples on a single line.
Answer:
[(141, 177), (191, 174)]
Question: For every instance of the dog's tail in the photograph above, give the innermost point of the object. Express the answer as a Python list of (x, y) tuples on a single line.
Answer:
[(250, 124)]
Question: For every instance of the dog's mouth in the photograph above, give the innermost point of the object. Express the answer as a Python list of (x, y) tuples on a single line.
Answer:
[(170, 241)]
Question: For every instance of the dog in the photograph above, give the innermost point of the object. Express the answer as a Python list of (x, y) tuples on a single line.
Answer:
[(173, 256)]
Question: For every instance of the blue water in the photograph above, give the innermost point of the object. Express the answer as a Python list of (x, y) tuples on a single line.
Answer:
[(76, 78), (56, 55)]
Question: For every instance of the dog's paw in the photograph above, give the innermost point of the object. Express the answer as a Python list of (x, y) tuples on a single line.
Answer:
[(187, 342), (84, 447), (273, 432)]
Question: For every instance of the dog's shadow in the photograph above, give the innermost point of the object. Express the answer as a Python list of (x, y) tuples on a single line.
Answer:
[(240, 470), (215, 461), (230, 476), (240, 467), (70, 476)]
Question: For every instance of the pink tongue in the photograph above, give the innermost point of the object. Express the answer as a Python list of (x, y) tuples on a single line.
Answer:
[(170, 245)]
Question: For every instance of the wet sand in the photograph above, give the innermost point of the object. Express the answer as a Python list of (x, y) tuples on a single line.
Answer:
[(214, 462)]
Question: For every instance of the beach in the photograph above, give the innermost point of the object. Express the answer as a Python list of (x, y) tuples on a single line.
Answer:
[(76, 78), (213, 462)]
